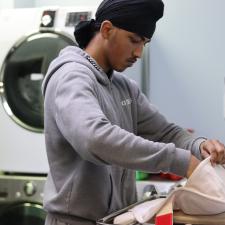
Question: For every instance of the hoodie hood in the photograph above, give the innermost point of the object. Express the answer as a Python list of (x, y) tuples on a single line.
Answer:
[(73, 54)]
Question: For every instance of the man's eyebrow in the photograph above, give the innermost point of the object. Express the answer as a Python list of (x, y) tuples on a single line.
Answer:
[(144, 39)]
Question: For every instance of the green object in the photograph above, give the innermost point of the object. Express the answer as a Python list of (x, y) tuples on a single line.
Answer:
[(141, 175)]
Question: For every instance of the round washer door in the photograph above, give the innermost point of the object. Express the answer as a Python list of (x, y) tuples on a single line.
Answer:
[(22, 75), (23, 214)]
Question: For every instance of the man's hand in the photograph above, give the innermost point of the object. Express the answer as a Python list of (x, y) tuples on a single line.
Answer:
[(215, 149), (193, 163)]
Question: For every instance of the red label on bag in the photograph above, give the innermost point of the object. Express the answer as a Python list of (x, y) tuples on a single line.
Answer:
[(166, 219)]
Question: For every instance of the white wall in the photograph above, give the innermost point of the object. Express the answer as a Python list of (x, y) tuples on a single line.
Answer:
[(23, 3), (16, 4), (66, 2), (187, 65), (6, 4), (39, 3)]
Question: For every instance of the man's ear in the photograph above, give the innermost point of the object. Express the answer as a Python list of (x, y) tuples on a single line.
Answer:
[(106, 29)]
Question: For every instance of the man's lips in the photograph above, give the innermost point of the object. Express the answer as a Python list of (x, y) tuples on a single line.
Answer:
[(132, 60)]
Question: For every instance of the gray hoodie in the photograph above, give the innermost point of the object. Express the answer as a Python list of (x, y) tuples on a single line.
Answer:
[(98, 131)]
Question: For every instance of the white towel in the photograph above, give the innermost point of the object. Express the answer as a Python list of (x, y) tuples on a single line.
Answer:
[(203, 194)]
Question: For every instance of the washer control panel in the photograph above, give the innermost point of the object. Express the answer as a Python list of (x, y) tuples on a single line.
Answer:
[(21, 188)]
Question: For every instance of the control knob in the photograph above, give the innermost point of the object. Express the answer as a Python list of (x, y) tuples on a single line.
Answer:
[(29, 188)]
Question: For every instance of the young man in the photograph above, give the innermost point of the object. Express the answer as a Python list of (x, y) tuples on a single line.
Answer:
[(94, 142)]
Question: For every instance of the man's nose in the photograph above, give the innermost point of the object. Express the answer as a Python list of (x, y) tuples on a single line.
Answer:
[(138, 51)]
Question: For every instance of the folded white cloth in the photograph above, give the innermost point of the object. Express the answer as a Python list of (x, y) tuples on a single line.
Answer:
[(145, 211), (203, 194), (125, 219), (141, 213)]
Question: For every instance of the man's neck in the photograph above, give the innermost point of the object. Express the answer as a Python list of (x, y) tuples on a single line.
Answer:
[(96, 50)]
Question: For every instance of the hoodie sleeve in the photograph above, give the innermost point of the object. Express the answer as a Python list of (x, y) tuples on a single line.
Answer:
[(153, 126), (84, 125)]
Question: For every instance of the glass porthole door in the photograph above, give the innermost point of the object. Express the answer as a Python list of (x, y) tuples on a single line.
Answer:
[(22, 74)]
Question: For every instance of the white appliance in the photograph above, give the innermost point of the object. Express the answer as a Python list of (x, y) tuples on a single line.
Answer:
[(29, 40), (21, 200)]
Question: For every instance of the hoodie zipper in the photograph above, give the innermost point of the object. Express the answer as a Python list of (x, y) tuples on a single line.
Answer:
[(93, 63)]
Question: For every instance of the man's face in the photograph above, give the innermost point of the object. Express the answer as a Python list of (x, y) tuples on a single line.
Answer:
[(124, 48)]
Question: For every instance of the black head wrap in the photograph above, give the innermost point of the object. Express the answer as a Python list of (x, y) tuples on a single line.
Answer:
[(137, 16)]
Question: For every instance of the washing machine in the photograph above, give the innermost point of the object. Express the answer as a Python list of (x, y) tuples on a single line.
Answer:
[(21, 200), (30, 39)]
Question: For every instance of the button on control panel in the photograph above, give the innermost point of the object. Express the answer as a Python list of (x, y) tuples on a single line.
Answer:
[(29, 188), (48, 18)]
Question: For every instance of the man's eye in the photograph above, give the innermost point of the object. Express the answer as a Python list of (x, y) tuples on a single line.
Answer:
[(135, 41)]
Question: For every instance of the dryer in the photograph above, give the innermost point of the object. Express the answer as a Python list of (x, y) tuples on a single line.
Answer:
[(30, 39)]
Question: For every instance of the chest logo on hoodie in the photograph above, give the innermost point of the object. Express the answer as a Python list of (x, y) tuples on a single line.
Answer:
[(126, 102)]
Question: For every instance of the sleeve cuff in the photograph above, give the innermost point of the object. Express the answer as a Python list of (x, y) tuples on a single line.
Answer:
[(180, 162), (195, 148)]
